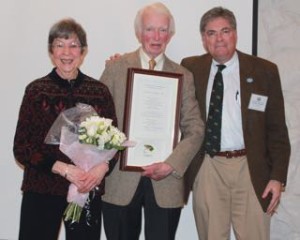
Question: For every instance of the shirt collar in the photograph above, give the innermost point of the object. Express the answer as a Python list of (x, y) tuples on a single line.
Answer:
[(229, 63), (145, 60)]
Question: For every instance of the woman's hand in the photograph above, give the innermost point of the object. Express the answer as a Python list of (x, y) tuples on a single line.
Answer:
[(94, 177), (70, 172)]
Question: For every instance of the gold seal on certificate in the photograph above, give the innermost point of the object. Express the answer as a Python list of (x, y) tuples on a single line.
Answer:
[(151, 116)]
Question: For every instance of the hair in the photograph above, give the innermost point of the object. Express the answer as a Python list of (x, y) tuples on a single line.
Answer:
[(217, 12), (157, 8), (67, 28)]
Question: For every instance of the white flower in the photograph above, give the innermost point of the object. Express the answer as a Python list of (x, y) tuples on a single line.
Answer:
[(117, 137), (96, 131), (99, 131), (92, 130)]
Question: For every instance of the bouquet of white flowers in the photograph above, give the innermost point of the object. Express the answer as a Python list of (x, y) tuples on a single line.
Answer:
[(87, 140)]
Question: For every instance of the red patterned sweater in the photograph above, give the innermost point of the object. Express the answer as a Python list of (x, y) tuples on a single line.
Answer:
[(43, 101)]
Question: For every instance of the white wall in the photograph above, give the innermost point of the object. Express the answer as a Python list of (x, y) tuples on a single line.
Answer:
[(109, 26), (279, 36)]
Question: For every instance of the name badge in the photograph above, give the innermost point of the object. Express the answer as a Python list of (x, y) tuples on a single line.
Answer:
[(258, 102)]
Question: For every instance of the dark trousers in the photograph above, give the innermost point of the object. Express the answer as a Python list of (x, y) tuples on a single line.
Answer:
[(41, 217), (124, 222)]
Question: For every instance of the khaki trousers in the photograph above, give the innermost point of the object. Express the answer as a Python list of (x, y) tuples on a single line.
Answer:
[(223, 196)]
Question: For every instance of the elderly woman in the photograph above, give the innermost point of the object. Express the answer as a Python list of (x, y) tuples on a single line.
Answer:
[(47, 171)]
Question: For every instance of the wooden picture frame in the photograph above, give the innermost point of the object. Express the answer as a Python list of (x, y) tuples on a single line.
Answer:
[(151, 116)]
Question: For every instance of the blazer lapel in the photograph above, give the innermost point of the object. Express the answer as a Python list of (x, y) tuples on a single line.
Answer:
[(201, 75), (133, 60), (168, 67), (247, 85)]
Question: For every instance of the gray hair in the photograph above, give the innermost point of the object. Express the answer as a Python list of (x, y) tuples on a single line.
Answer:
[(158, 8), (217, 12), (66, 28)]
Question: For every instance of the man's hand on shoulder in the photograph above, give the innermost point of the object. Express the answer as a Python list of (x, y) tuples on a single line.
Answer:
[(112, 58)]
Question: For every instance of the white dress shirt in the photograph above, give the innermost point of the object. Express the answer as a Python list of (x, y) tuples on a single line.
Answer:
[(232, 131)]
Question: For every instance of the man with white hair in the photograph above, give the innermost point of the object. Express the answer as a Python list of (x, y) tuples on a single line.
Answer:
[(159, 188)]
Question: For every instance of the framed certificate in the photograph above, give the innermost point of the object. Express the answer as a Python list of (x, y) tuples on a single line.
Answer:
[(151, 117)]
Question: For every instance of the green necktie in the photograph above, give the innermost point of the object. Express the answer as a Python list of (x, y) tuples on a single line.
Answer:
[(212, 142)]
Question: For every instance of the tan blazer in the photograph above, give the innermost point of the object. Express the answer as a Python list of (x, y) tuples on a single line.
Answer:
[(169, 192), (265, 133)]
